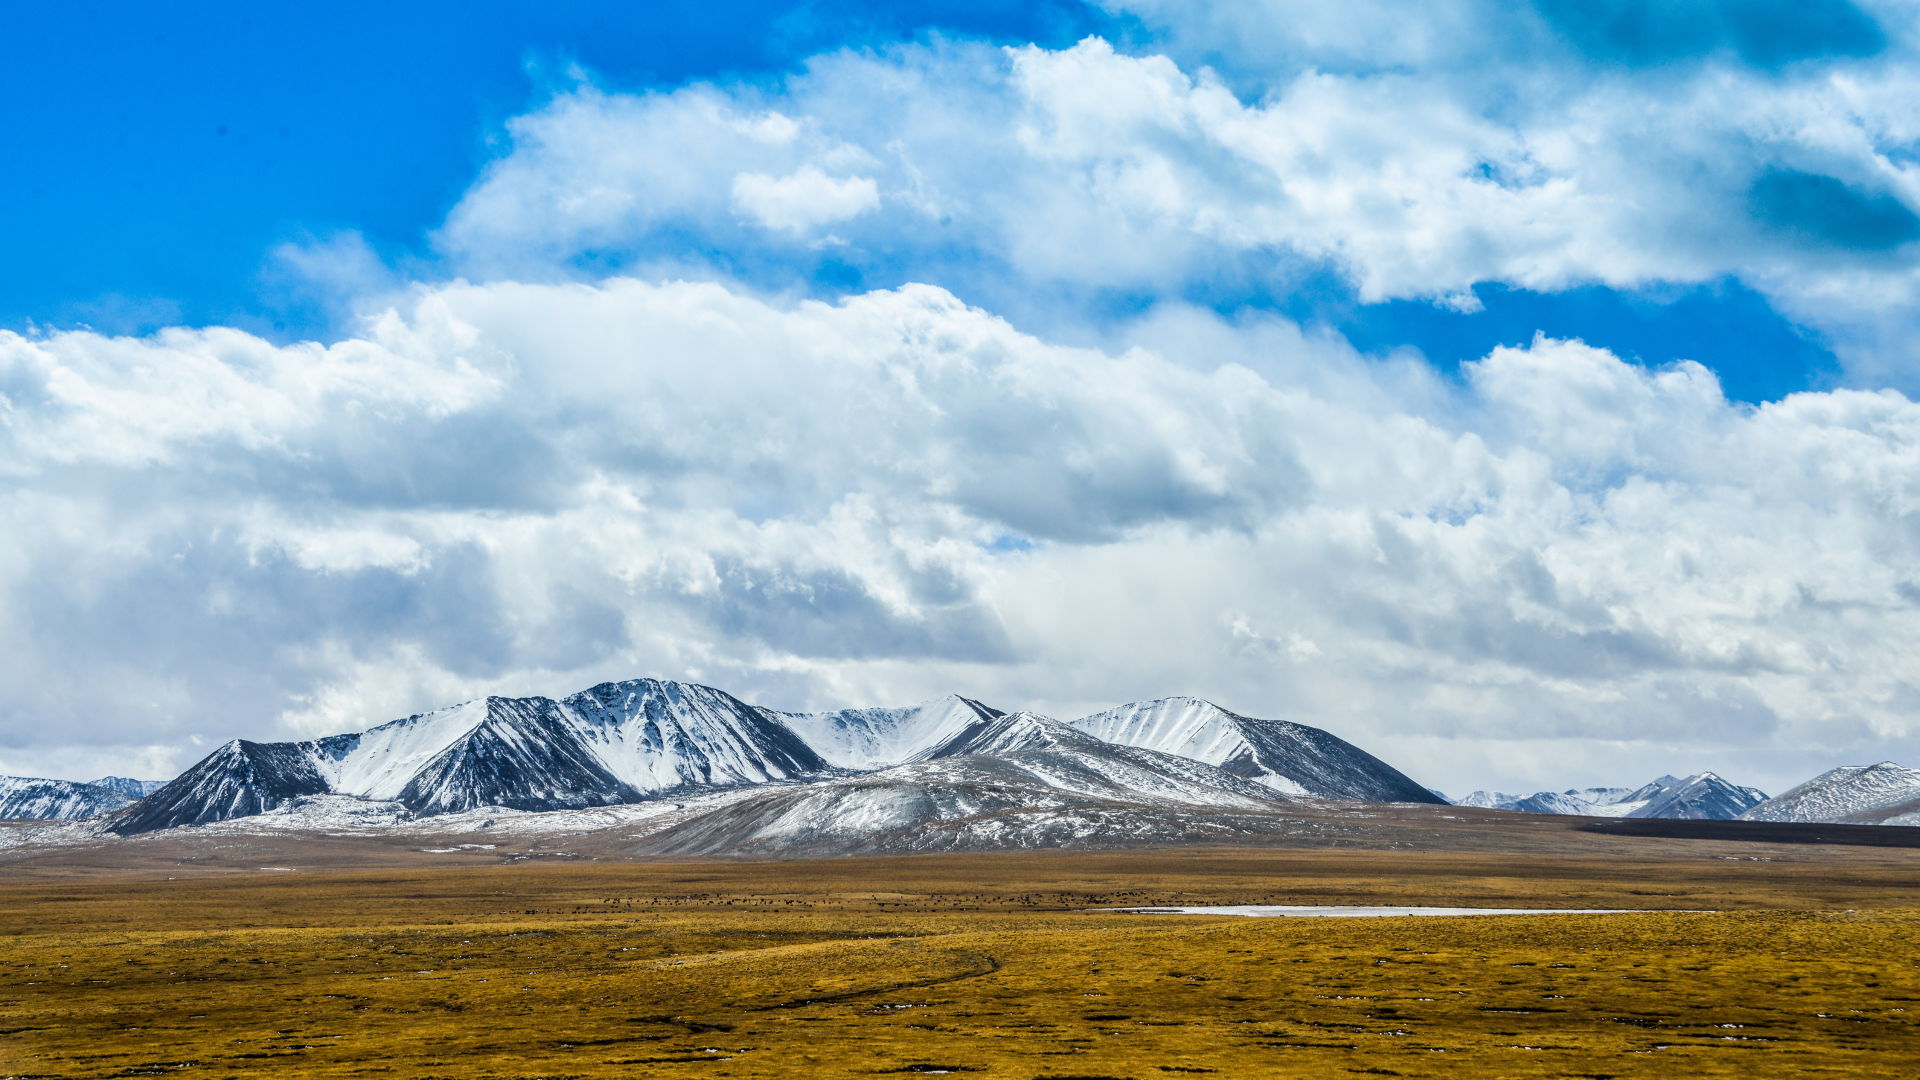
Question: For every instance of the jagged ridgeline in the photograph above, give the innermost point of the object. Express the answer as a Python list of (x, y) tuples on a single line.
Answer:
[(1700, 797), (631, 741), (34, 797)]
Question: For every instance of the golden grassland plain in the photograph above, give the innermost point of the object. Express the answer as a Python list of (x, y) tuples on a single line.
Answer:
[(984, 965)]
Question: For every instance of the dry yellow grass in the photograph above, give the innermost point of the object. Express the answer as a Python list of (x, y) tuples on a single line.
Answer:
[(976, 966)]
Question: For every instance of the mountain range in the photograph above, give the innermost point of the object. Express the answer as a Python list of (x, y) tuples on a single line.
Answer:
[(33, 797), (37, 798), (631, 741), (1007, 781), (1700, 797), (618, 742), (953, 773)]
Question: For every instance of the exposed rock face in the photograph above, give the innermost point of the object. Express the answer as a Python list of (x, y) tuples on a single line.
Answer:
[(239, 779)]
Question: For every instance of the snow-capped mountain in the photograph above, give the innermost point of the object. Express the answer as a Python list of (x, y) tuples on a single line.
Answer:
[(239, 779), (1883, 794), (1552, 802), (630, 741), (1008, 781), (616, 742), (1289, 758), (874, 738), (1701, 797), (135, 789), (1540, 802), (45, 800)]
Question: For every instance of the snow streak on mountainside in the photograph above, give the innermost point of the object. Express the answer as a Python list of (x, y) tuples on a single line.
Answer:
[(136, 789), (32, 797), (1701, 797), (380, 762), (613, 743), (1290, 758), (1883, 794), (1014, 781), (872, 738)]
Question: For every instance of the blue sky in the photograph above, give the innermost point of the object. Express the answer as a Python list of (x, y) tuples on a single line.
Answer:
[(160, 155), (1523, 389)]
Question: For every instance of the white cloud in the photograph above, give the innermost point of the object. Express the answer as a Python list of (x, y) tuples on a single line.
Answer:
[(1010, 174), (804, 198), (81, 397), (802, 503)]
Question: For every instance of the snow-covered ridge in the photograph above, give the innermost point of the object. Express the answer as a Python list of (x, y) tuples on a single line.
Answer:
[(614, 743), (1702, 796), (1009, 781), (620, 743), (39, 799), (1289, 758), (1883, 794), (135, 789)]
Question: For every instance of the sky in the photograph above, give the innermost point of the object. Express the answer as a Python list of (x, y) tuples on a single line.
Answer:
[(1524, 392)]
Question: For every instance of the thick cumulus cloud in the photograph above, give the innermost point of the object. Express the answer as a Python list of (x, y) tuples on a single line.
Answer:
[(526, 487), (1037, 181)]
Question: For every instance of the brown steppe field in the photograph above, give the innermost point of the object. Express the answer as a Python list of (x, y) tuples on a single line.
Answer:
[(1795, 959)]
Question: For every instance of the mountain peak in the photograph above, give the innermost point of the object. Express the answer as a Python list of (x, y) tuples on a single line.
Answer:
[(138, 789), (1287, 757), (1010, 734)]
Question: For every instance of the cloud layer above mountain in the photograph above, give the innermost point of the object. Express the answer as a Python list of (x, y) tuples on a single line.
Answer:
[(999, 370), (1042, 183)]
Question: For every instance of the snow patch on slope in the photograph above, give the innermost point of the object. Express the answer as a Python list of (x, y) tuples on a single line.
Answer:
[(876, 738), (378, 763)]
